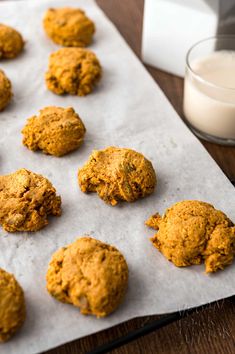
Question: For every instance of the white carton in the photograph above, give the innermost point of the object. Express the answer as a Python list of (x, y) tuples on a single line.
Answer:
[(171, 27)]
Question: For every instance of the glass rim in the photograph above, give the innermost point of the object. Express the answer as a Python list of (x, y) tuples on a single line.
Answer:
[(198, 76)]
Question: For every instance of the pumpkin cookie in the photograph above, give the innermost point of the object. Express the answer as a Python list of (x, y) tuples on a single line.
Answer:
[(68, 27), (26, 201), (11, 42), (193, 232), (73, 70), (5, 90), (117, 174), (89, 274), (12, 305), (56, 131)]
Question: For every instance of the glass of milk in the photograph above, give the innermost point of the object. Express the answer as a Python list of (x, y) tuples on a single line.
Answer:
[(209, 89)]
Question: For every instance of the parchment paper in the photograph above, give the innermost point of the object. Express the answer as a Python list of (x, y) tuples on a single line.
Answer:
[(128, 110)]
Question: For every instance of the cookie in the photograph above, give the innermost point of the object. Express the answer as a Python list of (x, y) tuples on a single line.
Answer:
[(117, 174), (5, 90), (68, 27), (11, 42), (74, 71), (193, 232), (12, 306), (26, 201), (89, 274), (56, 131)]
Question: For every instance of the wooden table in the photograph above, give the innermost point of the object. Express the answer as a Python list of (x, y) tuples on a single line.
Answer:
[(208, 331)]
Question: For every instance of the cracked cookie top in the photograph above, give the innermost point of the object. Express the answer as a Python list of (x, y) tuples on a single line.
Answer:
[(12, 305), (11, 42), (56, 131), (73, 71), (89, 274), (193, 232), (5, 90), (26, 201), (117, 174), (68, 27)]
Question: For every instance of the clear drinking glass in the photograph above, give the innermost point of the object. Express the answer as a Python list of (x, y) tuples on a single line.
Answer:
[(209, 89)]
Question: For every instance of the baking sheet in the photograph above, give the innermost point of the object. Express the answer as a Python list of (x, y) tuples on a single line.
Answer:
[(128, 110)]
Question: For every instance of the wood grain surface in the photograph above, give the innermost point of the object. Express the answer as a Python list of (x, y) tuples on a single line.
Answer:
[(208, 331)]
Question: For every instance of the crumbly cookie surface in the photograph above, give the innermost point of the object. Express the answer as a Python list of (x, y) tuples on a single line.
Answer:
[(11, 42), (73, 71), (117, 174), (5, 90), (89, 274), (26, 201), (56, 131), (68, 27), (193, 232), (12, 305)]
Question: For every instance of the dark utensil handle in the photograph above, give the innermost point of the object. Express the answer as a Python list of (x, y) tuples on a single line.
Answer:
[(148, 328)]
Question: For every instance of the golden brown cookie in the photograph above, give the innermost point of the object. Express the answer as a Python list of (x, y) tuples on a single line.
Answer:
[(69, 27), (12, 305), (5, 90), (26, 201), (56, 131), (11, 42), (117, 174), (73, 70), (193, 232), (89, 274)]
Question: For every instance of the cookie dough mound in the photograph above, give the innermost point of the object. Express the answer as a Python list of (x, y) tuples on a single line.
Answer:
[(12, 306), (193, 232), (56, 131), (11, 42), (117, 174), (73, 70), (89, 274), (5, 90), (69, 27), (26, 201)]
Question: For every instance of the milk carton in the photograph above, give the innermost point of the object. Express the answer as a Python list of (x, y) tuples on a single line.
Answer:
[(171, 27)]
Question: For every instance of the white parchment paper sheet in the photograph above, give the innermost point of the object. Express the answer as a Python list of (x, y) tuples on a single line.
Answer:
[(127, 110)]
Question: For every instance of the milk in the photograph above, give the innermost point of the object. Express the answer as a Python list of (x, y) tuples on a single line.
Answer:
[(209, 94)]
